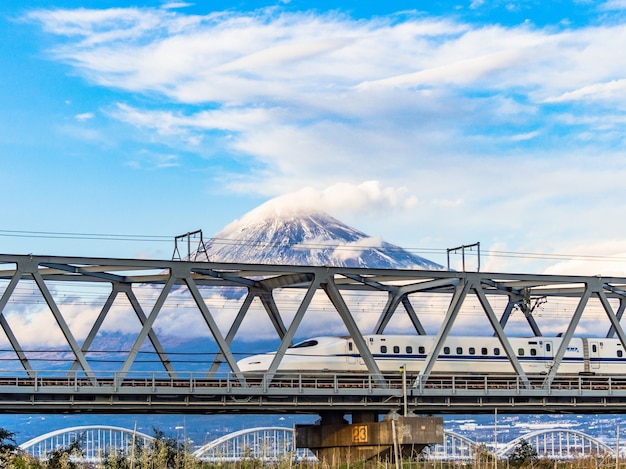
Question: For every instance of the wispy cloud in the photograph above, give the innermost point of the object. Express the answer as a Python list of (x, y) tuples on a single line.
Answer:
[(84, 116), (477, 119)]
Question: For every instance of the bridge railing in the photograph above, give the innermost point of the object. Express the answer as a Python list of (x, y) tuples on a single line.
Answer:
[(415, 385)]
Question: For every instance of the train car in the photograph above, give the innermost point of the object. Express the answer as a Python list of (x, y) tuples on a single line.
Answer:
[(459, 354)]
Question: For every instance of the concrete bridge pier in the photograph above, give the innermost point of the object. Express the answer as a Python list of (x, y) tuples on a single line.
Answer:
[(333, 440)]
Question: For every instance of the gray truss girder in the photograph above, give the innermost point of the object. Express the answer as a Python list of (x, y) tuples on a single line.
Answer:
[(17, 348), (264, 281), (336, 299)]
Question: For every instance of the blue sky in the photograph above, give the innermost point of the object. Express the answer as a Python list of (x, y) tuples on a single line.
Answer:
[(431, 124)]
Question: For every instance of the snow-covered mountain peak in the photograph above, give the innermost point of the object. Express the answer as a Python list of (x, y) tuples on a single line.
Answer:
[(286, 232)]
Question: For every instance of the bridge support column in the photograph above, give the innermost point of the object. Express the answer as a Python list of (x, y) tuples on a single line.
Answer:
[(334, 441)]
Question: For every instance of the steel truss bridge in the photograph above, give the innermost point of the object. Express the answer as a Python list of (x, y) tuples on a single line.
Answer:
[(276, 444), (82, 372)]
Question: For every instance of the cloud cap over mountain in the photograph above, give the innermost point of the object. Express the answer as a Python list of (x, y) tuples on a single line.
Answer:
[(284, 231)]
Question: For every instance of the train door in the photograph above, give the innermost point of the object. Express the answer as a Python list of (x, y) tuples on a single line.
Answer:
[(594, 354), (548, 353), (350, 353)]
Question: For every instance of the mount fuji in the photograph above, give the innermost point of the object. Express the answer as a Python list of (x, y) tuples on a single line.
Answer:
[(279, 233)]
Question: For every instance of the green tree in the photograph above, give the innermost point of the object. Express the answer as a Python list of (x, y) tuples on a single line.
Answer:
[(523, 454), (8, 446), (64, 458)]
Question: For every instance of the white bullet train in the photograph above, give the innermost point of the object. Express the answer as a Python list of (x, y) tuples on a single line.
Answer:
[(458, 355)]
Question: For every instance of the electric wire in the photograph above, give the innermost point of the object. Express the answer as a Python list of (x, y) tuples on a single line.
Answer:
[(308, 245)]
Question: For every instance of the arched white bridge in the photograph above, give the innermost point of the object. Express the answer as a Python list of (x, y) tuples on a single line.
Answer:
[(277, 443), (96, 441), (262, 443), (556, 443)]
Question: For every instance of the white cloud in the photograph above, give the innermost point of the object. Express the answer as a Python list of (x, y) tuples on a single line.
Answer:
[(346, 197), (84, 116), (608, 90), (613, 5), (501, 134)]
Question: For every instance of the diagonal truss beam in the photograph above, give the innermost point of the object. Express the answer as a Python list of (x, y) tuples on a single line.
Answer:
[(460, 292), (152, 337), (508, 310), (400, 294), (412, 315), (232, 332), (147, 326), (267, 300), (217, 335), (614, 318), (17, 348), (96, 325), (78, 354), (618, 315), (569, 333), (336, 299), (291, 332), (499, 332), (395, 298)]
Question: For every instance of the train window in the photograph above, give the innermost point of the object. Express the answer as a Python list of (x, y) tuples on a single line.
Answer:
[(594, 348), (496, 351), (472, 351), (520, 352), (533, 351), (421, 349), (548, 346), (459, 350), (306, 343), (409, 349), (619, 353), (350, 346), (446, 350), (483, 351), (396, 349), (383, 349)]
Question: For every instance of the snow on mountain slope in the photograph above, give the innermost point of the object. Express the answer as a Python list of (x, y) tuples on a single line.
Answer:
[(275, 233)]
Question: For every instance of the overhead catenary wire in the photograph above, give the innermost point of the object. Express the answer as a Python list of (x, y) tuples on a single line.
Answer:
[(303, 245)]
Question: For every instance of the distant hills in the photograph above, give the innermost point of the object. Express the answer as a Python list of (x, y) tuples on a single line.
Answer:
[(275, 233)]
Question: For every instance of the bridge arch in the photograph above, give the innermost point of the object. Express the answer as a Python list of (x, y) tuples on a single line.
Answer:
[(454, 447), (262, 443), (97, 441), (559, 443)]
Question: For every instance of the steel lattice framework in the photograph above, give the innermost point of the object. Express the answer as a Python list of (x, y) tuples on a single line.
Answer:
[(79, 381)]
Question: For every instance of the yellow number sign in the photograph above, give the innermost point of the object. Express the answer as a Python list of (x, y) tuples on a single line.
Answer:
[(359, 434)]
